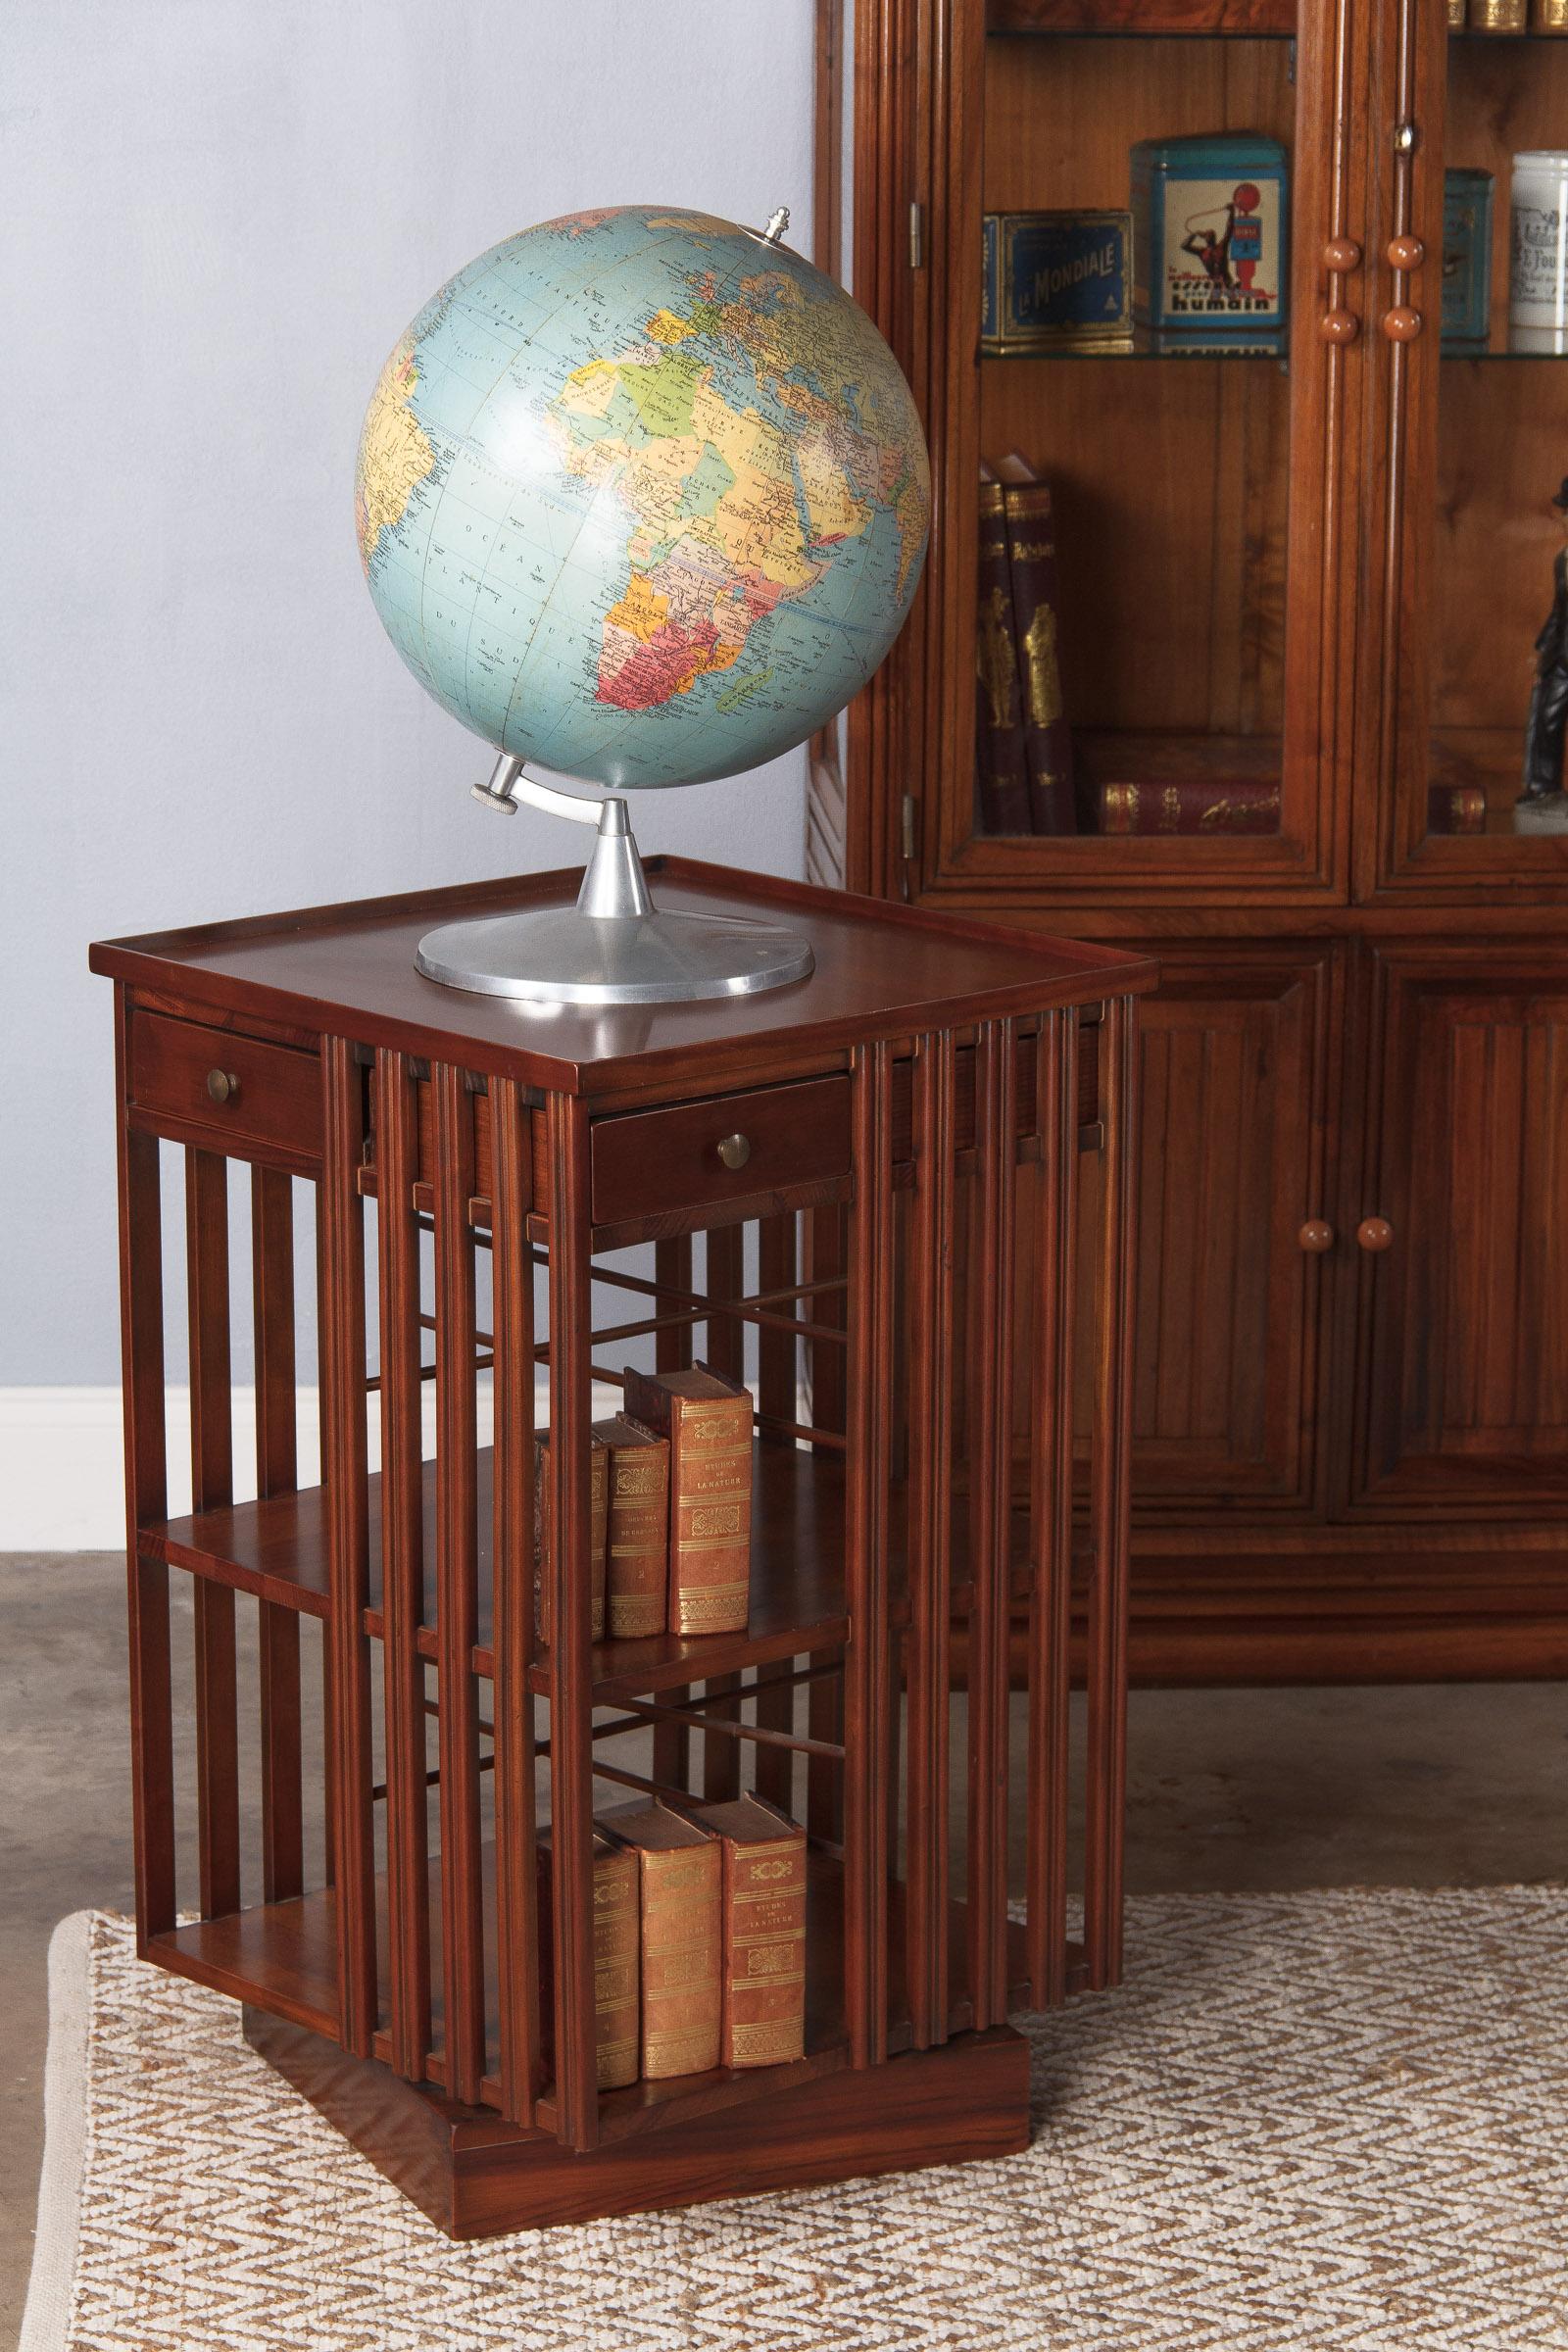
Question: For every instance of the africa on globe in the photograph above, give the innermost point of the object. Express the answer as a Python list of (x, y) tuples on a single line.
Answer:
[(642, 497)]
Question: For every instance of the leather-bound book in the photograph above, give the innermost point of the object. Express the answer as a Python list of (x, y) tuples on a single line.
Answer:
[(1031, 534), (544, 1534), (708, 1420), (1239, 804), (680, 1871), (765, 1931), (1002, 774), (637, 1543), (618, 1945)]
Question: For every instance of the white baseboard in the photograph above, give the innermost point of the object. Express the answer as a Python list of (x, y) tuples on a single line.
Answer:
[(62, 1476)]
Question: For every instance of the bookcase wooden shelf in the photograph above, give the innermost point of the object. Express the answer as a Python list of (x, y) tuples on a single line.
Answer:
[(471, 1210)]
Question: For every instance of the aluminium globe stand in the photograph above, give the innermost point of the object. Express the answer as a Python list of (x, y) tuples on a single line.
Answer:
[(614, 947)]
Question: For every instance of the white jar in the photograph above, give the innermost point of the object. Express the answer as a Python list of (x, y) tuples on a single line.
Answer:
[(1538, 278)]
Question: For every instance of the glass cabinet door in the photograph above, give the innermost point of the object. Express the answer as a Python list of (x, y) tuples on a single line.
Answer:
[(1474, 317), (1160, 417)]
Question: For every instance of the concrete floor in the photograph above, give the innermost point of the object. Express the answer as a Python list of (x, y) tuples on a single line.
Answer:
[(1228, 1790)]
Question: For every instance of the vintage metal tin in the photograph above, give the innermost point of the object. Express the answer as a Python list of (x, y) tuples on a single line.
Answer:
[(1210, 234), (1055, 280), (1466, 259)]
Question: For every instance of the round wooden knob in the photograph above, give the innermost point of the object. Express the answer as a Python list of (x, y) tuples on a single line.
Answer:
[(223, 1086), (1401, 325), (1407, 253), (1339, 327), (735, 1151), (1374, 1232), (1342, 255), (1317, 1236)]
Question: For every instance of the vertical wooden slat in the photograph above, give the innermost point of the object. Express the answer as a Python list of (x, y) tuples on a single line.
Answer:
[(725, 1339), (773, 1768), (512, 1308), (1112, 1441), (930, 1535), (1056, 1253), (276, 1472), (212, 1462), (403, 1567), (991, 1512), (141, 1350), (866, 1566), (673, 1352), (823, 1260), (570, 1653), (340, 1253), (458, 1589)]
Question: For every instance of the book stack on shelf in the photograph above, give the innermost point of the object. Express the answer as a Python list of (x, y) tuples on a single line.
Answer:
[(671, 1524), (699, 1939)]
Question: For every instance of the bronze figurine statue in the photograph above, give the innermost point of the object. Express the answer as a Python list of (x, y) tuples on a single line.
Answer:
[(1542, 796)]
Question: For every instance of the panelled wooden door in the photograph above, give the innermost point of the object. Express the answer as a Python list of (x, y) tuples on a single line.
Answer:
[(1235, 1062), (1464, 1297)]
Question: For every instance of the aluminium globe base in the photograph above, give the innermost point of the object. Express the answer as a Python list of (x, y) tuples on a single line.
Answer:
[(614, 947)]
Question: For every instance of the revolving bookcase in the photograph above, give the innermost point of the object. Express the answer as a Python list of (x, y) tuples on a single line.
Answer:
[(478, 1205)]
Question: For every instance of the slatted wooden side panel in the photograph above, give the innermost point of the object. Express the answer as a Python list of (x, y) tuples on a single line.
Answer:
[(213, 1483), (276, 1472)]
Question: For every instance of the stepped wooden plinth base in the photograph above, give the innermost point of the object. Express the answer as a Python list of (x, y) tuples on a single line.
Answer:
[(476, 2177)]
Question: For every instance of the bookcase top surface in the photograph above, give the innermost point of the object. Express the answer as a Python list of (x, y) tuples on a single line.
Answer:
[(881, 971)]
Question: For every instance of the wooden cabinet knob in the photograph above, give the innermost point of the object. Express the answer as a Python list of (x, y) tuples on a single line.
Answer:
[(1317, 1236), (1339, 327), (1407, 253), (1342, 255), (735, 1151), (1374, 1232), (1403, 325), (223, 1086)]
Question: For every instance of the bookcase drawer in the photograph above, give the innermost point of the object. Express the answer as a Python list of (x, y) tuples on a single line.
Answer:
[(734, 1147), (241, 1091)]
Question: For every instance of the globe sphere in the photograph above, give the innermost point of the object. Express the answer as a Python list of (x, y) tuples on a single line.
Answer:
[(642, 497)]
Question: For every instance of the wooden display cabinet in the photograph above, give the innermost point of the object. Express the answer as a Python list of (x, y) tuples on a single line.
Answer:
[(538, 1192), (1322, 571)]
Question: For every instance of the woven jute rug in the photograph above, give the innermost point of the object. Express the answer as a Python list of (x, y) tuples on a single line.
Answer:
[(1335, 2119)]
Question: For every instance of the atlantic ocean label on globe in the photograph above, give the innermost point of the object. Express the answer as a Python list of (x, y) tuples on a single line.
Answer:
[(642, 498)]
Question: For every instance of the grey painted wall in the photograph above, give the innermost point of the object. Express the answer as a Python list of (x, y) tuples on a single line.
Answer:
[(220, 214)]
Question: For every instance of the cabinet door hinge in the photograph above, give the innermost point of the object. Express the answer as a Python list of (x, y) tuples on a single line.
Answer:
[(918, 236)]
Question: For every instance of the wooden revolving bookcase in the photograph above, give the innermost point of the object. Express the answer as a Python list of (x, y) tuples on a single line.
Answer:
[(503, 1198)]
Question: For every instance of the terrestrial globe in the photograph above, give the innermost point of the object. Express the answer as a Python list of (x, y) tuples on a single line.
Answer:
[(642, 498)]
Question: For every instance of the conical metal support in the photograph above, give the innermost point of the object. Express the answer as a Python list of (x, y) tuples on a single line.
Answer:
[(614, 947)]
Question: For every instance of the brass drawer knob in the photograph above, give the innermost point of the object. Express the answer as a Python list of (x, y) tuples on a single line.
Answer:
[(735, 1151), (1374, 1232), (223, 1086), (1317, 1236)]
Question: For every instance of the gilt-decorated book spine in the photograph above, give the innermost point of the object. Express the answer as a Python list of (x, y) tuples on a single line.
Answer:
[(709, 1500), (1031, 533), (638, 1545), (618, 1960), (1001, 771), (1243, 806), (544, 1537), (682, 1946), (764, 1951), (1456, 809)]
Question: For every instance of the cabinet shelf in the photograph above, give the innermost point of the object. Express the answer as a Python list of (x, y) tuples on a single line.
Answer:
[(1234, 354), (1147, 20), (282, 1958)]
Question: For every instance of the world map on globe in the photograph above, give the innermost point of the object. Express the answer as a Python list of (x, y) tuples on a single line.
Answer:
[(642, 497)]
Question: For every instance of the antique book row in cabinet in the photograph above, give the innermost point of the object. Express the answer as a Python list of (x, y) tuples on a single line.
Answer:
[(1299, 585), (421, 1226)]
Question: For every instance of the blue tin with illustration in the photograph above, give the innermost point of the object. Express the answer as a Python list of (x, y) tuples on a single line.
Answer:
[(1055, 280), (1211, 234), (1466, 259)]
